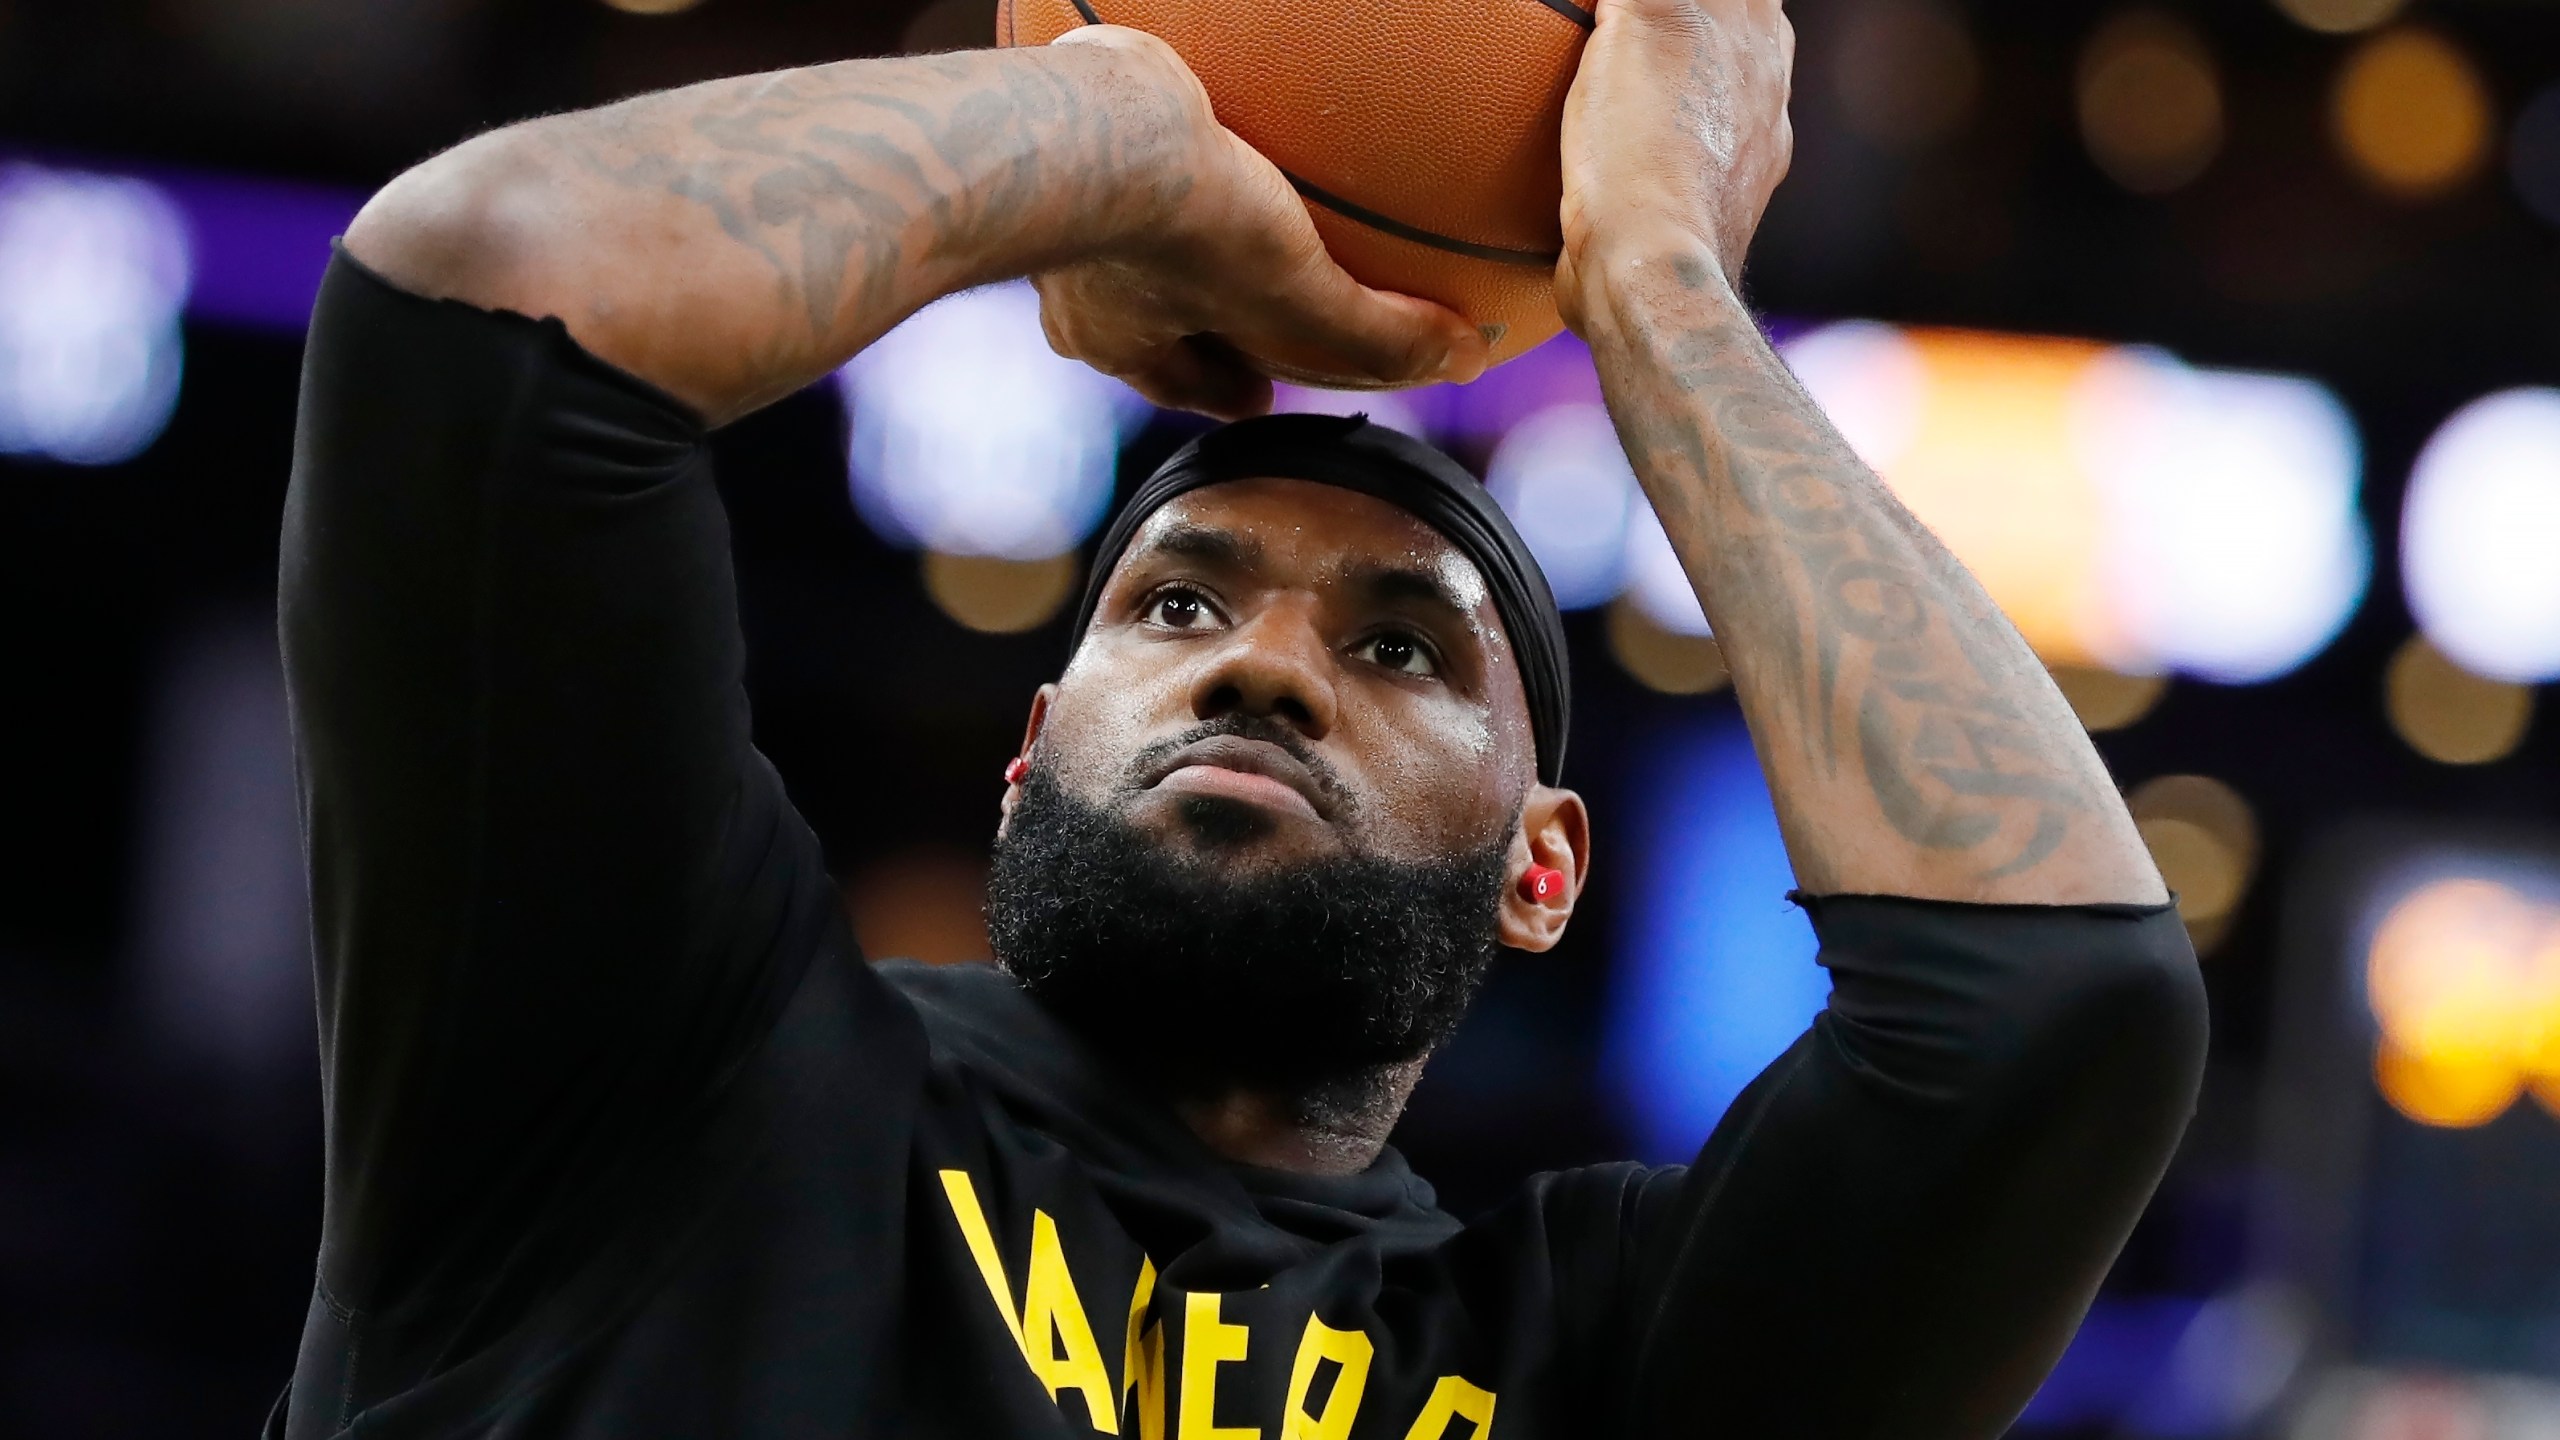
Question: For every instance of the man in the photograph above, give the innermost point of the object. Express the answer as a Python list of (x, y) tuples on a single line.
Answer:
[(626, 1140)]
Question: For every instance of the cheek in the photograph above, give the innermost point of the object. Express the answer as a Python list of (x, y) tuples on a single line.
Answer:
[(1105, 709), (1436, 774)]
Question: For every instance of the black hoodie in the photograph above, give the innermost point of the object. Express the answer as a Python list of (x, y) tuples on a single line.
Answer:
[(626, 1140)]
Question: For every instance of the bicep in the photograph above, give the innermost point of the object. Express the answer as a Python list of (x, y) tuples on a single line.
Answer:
[(553, 886)]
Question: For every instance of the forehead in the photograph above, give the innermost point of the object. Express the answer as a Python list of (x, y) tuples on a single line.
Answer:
[(1304, 532)]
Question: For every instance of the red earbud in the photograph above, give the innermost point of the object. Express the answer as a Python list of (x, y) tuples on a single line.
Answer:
[(1538, 884), (1015, 769)]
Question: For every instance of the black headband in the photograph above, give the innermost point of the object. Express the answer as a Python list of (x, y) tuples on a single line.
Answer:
[(1404, 472)]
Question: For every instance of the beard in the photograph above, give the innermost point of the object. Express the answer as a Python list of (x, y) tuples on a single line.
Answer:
[(1304, 979)]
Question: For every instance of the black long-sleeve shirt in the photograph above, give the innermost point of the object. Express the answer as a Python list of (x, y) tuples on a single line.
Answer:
[(626, 1140)]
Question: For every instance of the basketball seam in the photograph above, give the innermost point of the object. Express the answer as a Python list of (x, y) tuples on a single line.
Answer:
[(1388, 224)]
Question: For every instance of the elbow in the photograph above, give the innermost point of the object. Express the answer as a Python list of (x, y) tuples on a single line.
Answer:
[(462, 226), (2132, 1022), (1966, 1005)]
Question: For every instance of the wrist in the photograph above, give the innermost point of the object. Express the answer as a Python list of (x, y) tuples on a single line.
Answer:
[(1140, 135), (1613, 285), (1094, 166)]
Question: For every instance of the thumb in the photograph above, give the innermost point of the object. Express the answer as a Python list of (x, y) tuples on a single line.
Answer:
[(1113, 37), (1388, 338)]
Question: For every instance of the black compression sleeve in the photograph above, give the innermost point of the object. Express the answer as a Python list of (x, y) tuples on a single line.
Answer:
[(1898, 1226), (555, 890)]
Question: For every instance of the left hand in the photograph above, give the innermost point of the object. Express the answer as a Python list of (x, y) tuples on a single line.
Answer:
[(1675, 134), (1233, 284)]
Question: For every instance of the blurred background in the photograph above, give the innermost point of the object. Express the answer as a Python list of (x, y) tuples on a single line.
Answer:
[(2221, 339)]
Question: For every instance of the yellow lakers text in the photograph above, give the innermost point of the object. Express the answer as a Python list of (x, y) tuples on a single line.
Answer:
[(1056, 1340)]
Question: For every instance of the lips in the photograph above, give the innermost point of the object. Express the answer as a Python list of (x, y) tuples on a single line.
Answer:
[(1239, 757)]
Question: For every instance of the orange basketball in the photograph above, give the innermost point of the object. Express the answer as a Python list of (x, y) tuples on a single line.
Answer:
[(1423, 133)]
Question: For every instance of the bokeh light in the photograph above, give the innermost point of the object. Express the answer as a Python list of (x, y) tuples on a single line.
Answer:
[(2150, 102), (1669, 661), (94, 271), (2480, 536), (2423, 1400), (2204, 838), (2235, 549), (2463, 979), (2196, 865), (2340, 17), (1714, 972), (1562, 478), (2451, 1097), (651, 7), (926, 903), (2450, 714), (1655, 580), (1873, 381), (2127, 511), (2412, 114), (2105, 700), (2533, 154), (969, 436), (996, 596), (1906, 73), (1384, 407), (1972, 431)]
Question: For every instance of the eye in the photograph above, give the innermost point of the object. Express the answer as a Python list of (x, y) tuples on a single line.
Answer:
[(1398, 651), (1179, 607)]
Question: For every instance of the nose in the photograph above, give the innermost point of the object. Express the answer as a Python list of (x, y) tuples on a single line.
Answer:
[(1277, 666)]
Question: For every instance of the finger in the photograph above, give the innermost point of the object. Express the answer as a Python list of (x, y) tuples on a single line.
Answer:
[(1391, 338), (1090, 320), (1202, 375), (1097, 325), (1231, 388)]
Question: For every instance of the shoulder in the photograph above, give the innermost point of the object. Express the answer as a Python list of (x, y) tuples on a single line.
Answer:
[(1589, 1210)]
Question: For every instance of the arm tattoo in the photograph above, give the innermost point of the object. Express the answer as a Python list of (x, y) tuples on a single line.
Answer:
[(835, 176), (1881, 654)]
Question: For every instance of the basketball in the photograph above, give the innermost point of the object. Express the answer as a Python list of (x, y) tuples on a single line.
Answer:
[(1423, 135)]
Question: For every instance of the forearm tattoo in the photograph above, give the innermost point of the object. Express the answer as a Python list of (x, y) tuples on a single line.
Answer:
[(837, 177), (1874, 652)]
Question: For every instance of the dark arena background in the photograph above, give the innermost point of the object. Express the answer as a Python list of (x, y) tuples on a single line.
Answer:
[(2220, 338)]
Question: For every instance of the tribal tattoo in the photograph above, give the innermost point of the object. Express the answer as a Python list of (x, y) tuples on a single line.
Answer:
[(838, 177), (1882, 653)]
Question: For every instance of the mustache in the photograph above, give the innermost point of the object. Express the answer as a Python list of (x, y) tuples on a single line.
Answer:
[(1250, 727)]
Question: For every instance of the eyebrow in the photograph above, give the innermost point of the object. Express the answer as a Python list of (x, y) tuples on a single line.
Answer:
[(1390, 583), (1208, 545), (1381, 582)]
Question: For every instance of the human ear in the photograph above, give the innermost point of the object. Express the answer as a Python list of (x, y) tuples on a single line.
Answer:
[(1040, 700), (1555, 834)]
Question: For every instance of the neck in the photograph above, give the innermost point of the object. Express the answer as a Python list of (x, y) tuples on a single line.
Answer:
[(1336, 1128)]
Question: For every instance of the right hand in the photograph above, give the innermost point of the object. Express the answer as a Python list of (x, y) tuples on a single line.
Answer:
[(1196, 313)]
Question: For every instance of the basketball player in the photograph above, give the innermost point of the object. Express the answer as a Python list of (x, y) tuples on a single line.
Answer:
[(626, 1140)]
